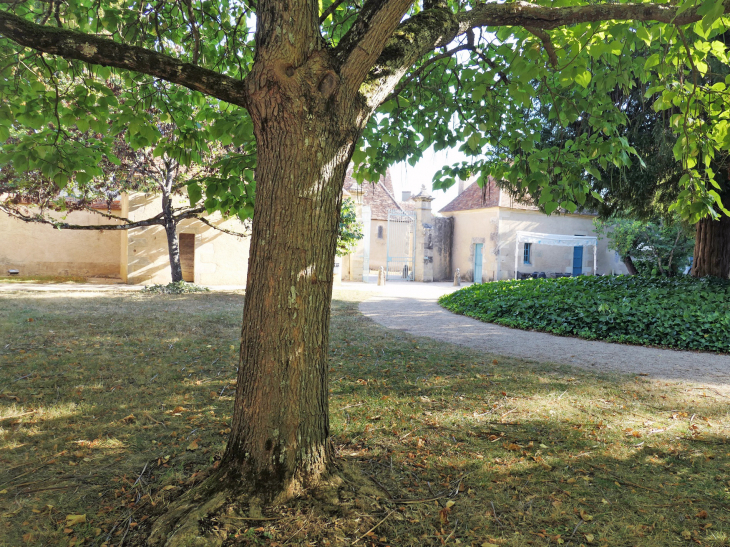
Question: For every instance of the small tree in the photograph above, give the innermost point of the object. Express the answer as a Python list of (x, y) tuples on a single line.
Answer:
[(350, 230), (648, 247), (165, 171)]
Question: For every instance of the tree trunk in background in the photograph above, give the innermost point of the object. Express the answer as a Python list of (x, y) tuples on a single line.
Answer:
[(712, 248), (630, 265), (712, 245), (173, 242), (279, 443)]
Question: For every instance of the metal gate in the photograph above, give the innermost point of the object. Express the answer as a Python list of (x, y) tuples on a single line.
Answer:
[(401, 248)]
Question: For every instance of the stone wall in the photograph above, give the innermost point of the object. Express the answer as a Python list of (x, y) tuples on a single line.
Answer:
[(442, 235)]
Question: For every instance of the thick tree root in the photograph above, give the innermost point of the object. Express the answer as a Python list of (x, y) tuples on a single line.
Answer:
[(183, 525), (212, 512)]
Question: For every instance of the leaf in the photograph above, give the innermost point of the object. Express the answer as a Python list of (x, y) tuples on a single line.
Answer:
[(583, 79), (652, 61), (702, 514), (193, 446), (444, 515), (129, 419), (73, 520)]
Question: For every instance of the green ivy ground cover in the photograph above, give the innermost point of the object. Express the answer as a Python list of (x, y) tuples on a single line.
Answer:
[(681, 312)]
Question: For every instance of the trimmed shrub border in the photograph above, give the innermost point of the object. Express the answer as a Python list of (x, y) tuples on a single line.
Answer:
[(679, 312)]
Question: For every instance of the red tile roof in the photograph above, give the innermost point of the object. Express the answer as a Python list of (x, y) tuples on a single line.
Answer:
[(474, 197)]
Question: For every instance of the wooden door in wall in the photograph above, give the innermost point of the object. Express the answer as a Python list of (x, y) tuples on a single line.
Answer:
[(187, 257)]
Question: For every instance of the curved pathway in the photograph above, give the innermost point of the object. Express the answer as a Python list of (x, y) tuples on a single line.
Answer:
[(412, 308)]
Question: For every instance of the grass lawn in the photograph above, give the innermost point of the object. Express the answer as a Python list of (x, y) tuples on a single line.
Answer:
[(113, 404), (680, 312)]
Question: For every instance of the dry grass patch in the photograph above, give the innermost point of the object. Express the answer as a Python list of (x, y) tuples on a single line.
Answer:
[(113, 404)]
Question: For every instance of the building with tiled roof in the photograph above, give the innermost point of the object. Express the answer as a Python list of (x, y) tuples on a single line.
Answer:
[(380, 198), (486, 222)]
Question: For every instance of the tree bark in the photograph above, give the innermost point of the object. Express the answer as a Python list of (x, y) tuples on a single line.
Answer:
[(712, 248), (629, 263), (279, 443), (173, 242)]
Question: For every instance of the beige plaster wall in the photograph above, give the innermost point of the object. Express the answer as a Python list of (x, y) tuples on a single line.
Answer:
[(546, 258), (378, 246), (472, 227), (220, 259), (36, 249)]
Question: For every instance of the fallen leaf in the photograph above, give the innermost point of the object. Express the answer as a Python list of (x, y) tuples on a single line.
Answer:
[(193, 445), (589, 538), (450, 504), (701, 515), (444, 515), (73, 520), (128, 419)]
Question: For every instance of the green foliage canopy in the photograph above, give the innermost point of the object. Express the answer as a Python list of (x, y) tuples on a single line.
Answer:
[(350, 229), (475, 93)]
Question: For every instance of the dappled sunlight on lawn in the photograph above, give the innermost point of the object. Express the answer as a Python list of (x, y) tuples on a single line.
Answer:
[(117, 404)]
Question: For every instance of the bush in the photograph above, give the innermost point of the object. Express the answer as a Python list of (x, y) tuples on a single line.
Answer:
[(179, 287), (679, 312)]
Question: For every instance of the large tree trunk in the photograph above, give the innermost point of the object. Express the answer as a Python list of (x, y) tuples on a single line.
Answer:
[(279, 441), (173, 242), (712, 248), (712, 245)]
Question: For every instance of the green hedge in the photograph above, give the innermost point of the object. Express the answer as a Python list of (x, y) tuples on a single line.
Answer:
[(680, 312)]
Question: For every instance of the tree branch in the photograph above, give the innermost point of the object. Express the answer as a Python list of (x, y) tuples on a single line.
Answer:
[(182, 214), (434, 28), (71, 44), (330, 10), (40, 219), (364, 42), (229, 232), (287, 29), (526, 14), (549, 47), (445, 55)]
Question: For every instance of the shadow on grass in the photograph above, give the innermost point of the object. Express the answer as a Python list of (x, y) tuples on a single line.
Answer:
[(112, 405)]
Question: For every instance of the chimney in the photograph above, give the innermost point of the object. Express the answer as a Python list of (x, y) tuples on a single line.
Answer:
[(406, 195), (460, 187)]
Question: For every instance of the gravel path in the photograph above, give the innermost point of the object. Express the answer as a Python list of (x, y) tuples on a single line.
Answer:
[(413, 309)]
